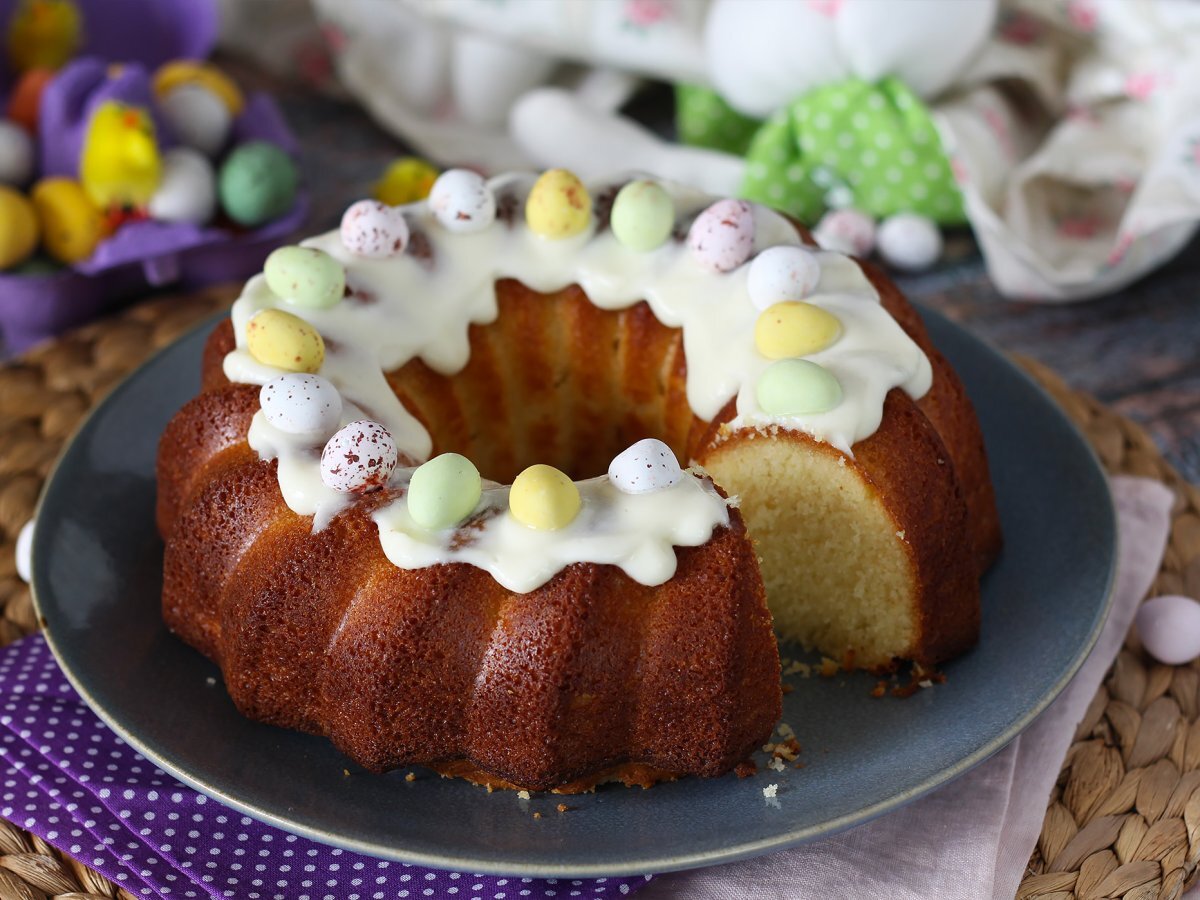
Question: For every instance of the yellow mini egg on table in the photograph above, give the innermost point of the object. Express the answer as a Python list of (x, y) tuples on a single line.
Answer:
[(558, 206), (120, 165), (72, 225), (543, 498), (794, 328), (280, 339), (406, 180), (18, 228)]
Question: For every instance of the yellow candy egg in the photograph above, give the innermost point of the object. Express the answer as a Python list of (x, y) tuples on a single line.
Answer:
[(280, 339), (18, 228), (544, 498), (559, 206), (407, 180), (793, 329), (72, 225), (187, 71)]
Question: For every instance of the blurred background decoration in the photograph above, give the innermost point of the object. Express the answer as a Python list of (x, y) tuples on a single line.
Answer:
[(1065, 133), (127, 162)]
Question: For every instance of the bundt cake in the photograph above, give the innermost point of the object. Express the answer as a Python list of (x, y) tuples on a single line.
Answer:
[(595, 612)]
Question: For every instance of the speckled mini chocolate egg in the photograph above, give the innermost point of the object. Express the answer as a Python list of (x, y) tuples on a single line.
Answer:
[(374, 230), (558, 206), (18, 228), (1169, 627), (847, 231), (279, 339), (257, 183), (16, 154), (909, 242), (722, 237), (462, 201), (444, 491), (544, 499), (649, 465), (305, 277), (197, 117), (779, 274), (797, 387), (187, 191), (301, 404), (359, 458)]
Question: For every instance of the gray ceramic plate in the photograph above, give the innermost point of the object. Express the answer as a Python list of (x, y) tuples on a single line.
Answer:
[(97, 578)]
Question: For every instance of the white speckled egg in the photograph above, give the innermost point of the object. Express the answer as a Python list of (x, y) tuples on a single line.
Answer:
[(649, 465), (359, 458), (462, 201), (16, 154), (848, 231), (909, 242), (24, 552), (780, 274), (1170, 628), (374, 230), (187, 191), (722, 237), (197, 117), (301, 404)]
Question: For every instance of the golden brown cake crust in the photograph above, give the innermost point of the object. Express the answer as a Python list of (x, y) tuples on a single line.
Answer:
[(590, 677)]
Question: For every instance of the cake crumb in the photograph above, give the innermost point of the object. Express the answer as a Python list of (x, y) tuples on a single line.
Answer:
[(900, 534), (537, 815), (210, 681), (786, 689), (925, 684), (562, 807), (785, 731), (770, 790), (776, 764), (798, 765), (829, 667), (522, 795), (734, 501), (804, 670), (848, 660), (411, 776), (489, 788), (746, 768), (880, 689)]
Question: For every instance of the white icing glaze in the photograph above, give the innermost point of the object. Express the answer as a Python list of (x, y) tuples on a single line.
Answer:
[(636, 532), (410, 307)]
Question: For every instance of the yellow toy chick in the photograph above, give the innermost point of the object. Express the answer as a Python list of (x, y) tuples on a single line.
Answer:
[(120, 165), (43, 34)]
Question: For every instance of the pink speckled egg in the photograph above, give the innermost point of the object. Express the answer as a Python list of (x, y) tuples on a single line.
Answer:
[(1170, 628), (374, 230), (848, 231), (299, 403), (359, 458), (722, 237)]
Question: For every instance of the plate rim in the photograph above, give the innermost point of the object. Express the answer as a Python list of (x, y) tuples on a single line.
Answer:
[(645, 864)]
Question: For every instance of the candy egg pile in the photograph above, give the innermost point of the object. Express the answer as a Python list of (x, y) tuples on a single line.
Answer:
[(124, 172)]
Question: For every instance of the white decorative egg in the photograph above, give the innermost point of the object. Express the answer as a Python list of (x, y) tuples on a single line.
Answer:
[(301, 404), (187, 190), (1170, 628), (24, 552), (374, 230), (359, 458), (909, 242), (16, 154), (848, 231), (197, 117), (649, 465), (722, 237), (781, 274), (462, 201)]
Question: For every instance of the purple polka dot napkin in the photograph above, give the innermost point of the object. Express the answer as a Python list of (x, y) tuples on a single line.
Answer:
[(72, 781)]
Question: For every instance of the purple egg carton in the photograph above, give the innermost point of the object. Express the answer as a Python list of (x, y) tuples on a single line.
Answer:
[(144, 255)]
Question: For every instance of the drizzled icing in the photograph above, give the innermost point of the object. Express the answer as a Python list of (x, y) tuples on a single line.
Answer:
[(420, 305)]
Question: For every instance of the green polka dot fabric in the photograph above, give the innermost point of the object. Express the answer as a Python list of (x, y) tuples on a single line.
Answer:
[(853, 143), (703, 119)]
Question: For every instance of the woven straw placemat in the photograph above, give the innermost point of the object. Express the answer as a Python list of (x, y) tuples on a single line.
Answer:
[(1123, 820)]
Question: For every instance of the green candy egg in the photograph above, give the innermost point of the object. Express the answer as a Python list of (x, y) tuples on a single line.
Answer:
[(257, 183), (306, 276), (642, 216), (797, 387), (444, 491)]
